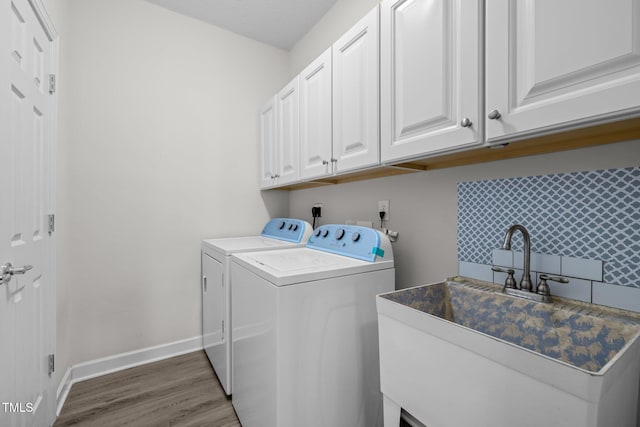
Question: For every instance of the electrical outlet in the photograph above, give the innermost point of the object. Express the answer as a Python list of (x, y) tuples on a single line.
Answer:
[(319, 206), (383, 206)]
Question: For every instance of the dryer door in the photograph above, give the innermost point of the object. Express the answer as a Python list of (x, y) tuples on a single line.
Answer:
[(213, 315)]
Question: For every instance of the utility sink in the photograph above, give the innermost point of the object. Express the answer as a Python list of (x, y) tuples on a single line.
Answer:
[(461, 353)]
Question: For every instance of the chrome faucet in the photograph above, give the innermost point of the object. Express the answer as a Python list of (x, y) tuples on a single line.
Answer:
[(525, 284), (541, 293)]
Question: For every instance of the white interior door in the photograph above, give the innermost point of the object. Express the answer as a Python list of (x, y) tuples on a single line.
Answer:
[(26, 137)]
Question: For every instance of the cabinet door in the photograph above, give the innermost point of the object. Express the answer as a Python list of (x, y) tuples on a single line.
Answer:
[(268, 167), (213, 315), (288, 133), (315, 118), (429, 76), (553, 64), (355, 96)]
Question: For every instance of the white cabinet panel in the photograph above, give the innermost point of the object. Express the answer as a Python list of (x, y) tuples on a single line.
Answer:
[(355, 96), (315, 118), (288, 133), (556, 64), (268, 166), (429, 76)]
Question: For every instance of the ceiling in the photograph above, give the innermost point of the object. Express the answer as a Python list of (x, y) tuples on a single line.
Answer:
[(279, 23)]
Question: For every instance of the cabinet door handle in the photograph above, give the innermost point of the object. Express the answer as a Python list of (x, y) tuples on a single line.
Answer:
[(334, 160), (466, 122), (324, 162), (204, 284), (494, 115)]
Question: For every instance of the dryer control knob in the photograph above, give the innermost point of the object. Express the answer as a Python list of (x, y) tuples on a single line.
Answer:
[(325, 233), (317, 233), (282, 224), (290, 226), (339, 233), (295, 227), (355, 236)]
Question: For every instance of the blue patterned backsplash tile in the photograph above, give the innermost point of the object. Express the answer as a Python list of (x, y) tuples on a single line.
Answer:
[(591, 215)]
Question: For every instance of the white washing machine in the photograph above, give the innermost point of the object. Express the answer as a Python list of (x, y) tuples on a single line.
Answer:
[(305, 336), (216, 284)]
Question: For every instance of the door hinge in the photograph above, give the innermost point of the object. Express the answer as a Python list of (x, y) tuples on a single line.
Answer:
[(52, 84), (52, 223), (52, 364)]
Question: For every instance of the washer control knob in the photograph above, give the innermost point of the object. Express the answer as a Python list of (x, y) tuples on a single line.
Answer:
[(282, 224), (339, 233), (290, 226), (317, 233), (355, 236), (325, 233), (295, 227)]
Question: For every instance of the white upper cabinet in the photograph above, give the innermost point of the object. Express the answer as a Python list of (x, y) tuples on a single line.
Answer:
[(268, 165), (288, 133), (355, 96), (429, 77), (315, 118), (416, 79), (554, 64)]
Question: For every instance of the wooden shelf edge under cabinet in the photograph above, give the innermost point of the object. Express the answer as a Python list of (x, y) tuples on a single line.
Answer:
[(602, 134)]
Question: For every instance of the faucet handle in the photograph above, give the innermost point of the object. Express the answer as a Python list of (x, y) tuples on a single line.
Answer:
[(510, 281), (554, 278), (543, 287)]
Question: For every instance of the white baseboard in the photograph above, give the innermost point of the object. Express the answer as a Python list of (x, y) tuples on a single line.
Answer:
[(63, 390), (118, 362)]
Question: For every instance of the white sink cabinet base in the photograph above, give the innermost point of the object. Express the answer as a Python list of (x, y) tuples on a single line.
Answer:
[(447, 375)]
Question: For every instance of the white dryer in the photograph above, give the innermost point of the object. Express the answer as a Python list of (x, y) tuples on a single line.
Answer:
[(216, 284), (305, 343)]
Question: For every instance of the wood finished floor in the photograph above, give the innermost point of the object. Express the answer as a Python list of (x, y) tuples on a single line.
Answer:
[(181, 391)]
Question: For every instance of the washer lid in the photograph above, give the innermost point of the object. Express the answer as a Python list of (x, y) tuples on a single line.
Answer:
[(299, 265), (231, 245), (278, 233)]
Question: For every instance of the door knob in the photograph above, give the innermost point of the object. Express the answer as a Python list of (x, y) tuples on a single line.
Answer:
[(8, 270)]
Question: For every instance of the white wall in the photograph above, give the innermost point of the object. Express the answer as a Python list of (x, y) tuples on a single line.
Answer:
[(161, 152)]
